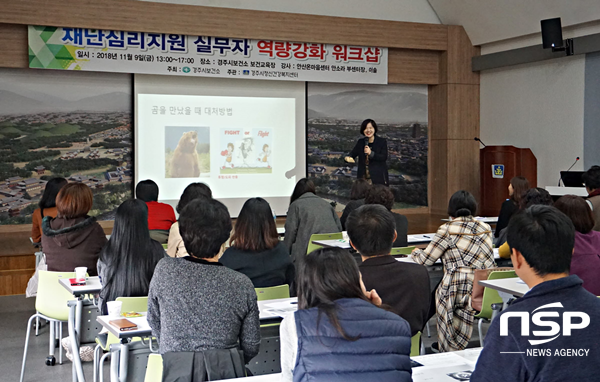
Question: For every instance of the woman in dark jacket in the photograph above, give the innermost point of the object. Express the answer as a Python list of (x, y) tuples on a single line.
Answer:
[(372, 153), (255, 247), (357, 198), (516, 188), (308, 214), (339, 323), (72, 239), (127, 261)]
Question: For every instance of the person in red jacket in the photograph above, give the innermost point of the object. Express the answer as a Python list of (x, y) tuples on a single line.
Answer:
[(160, 215)]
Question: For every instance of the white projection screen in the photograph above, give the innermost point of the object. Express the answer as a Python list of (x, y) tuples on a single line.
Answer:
[(243, 138)]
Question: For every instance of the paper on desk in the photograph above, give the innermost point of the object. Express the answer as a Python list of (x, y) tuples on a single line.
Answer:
[(424, 237), (519, 281), (281, 308), (438, 374), (440, 360)]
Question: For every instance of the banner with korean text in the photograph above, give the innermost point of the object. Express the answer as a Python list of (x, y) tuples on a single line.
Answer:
[(176, 54)]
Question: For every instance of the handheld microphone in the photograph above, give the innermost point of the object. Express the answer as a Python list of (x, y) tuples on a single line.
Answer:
[(479, 140), (559, 179), (366, 141)]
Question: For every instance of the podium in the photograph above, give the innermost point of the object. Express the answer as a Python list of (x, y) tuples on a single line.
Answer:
[(499, 164)]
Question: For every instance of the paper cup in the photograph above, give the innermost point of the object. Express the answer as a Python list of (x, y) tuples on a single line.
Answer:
[(114, 308), (80, 273), (345, 236)]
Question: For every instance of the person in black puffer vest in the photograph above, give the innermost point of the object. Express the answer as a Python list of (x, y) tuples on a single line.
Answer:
[(338, 323)]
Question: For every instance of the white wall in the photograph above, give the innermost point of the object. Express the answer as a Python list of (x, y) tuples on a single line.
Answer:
[(417, 11), (539, 106)]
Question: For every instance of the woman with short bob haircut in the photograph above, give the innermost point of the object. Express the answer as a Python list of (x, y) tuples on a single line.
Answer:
[(359, 191), (383, 195), (47, 207), (585, 262), (255, 247), (339, 322), (463, 244), (308, 214), (72, 239), (175, 247), (127, 261)]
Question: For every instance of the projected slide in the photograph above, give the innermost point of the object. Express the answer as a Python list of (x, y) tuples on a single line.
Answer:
[(240, 146)]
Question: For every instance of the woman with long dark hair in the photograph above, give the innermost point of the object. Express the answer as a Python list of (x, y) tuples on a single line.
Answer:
[(516, 188), (308, 214), (359, 190), (175, 246), (463, 245), (339, 322), (47, 207), (255, 247), (127, 261), (372, 153)]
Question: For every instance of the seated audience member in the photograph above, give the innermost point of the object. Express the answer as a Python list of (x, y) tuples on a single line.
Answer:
[(339, 333), (516, 188), (403, 286), (533, 196), (591, 178), (72, 239), (380, 194), (585, 262), (175, 246), (463, 244), (255, 247), (160, 215), (127, 261), (47, 207), (359, 190), (195, 303), (308, 214), (541, 240)]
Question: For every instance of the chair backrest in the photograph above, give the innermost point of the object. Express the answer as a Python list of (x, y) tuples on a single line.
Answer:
[(165, 245), (322, 236), (415, 345), (402, 250), (491, 296), (272, 293), (154, 370), (133, 304), (51, 299)]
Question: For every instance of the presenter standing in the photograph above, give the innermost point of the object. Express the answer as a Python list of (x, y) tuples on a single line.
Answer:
[(372, 152)]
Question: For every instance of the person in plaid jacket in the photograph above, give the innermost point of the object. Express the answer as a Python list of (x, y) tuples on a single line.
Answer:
[(463, 244)]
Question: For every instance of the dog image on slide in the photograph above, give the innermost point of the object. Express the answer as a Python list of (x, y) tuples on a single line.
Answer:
[(184, 163)]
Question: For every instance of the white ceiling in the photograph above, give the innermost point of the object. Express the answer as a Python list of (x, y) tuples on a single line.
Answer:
[(487, 21), (491, 22), (419, 11)]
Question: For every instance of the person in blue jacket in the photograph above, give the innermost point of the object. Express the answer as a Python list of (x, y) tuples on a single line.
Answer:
[(551, 333), (339, 333)]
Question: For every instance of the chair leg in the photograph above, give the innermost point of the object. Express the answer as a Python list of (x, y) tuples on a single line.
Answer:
[(101, 367), (480, 332), (428, 331), (60, 348), (29, 323), (37, 325), (96, 362), (52, 338)]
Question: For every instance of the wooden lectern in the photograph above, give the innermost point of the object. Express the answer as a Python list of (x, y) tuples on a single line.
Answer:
[(499, 164)]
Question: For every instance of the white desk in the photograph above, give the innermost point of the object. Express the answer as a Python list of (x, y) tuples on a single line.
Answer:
[(119, 357), (409, 258), (92, 286), (561, 191), (281, 231), (436, 367), (507, 288), (488, 220), (422, 238)]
